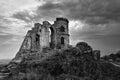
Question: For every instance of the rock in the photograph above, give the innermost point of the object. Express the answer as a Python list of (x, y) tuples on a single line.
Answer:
[(84, 47), (96, 54)]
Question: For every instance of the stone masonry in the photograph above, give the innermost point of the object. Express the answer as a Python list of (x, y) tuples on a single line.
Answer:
[(46, 35)]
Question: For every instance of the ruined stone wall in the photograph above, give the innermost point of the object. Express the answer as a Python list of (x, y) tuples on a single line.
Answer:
[(45, 34), (38, 38), (26, 45)]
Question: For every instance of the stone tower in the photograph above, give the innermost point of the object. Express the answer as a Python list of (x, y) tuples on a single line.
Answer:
[(62, 33)]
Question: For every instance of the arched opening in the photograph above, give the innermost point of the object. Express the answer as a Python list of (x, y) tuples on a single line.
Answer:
[(62, 29), (37, 40), (62, 40), (52, 37)]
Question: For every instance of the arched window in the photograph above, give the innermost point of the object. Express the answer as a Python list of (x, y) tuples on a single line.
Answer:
[(62, 40), (40, 30), (37, 40), (62, 29), (52, 37)]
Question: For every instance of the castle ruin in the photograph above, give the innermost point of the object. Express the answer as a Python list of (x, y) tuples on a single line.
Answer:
[(54, 36)]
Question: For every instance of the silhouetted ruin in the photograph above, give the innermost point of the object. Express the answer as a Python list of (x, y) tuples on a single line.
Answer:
[(47, 35)]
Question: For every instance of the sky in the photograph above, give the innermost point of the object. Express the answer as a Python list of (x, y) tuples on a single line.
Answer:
[(96, 22)]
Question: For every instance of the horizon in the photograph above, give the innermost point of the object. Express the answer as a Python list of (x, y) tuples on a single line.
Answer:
[(93, 21)]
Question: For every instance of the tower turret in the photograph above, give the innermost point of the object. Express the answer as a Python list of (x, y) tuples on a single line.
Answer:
[(62, 32)]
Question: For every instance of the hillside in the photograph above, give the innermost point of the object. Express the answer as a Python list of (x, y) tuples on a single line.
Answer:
[(76, 63)]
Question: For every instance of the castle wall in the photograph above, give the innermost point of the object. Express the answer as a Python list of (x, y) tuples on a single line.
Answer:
[(44, 37)]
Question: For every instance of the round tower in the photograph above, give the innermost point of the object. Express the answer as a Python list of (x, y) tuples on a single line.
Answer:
[(62, 32)]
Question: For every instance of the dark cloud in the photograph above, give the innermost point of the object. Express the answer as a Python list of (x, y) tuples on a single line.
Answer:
[(92, 11)]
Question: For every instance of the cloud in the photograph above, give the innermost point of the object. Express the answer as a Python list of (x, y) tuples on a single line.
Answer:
[(12, 26), (92, 11), (10, 6), (24, 16)]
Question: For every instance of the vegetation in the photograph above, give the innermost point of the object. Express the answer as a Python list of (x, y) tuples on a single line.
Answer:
[(114, 57), (75, 63)]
